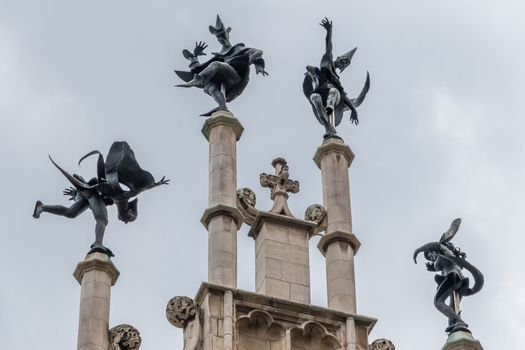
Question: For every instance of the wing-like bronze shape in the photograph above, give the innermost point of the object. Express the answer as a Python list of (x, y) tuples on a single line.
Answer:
[(74, 181), (101, 174), (184, 75), (359, 99), (451, 232)]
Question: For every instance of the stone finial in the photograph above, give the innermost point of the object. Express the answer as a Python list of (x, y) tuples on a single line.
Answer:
[(124, 337), (382, 344), (280, 185), (181, 310)]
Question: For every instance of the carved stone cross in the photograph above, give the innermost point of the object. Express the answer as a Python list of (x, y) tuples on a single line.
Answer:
[(280, 186)]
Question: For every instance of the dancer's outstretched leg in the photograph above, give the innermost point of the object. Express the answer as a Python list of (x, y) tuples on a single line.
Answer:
[(73, 211)]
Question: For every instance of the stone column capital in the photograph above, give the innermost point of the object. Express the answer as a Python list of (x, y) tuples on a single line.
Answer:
[(99, 262), (462, 341), (333, 145), (219, 209), (338, 236), (222, 117)]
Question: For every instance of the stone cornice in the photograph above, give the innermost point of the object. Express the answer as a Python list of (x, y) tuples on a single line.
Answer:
[(264, 216), (222, 117), (283, 305), (99, 262)]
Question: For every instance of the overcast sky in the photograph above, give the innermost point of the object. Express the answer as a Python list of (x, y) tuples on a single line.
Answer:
[(440, 137)]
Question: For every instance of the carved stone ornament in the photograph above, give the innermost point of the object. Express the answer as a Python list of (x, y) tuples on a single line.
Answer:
[(280, 185), (124, 337), (246, 204), (181, 310), (246, 196), (315, 213), (382, 344)]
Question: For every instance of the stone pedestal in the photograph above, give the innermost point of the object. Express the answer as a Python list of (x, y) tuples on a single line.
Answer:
[(96, 274), (222, 219), (282, 256), (462, 341), (339, 244)]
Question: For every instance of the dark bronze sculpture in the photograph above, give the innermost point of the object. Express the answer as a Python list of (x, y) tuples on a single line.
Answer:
[(120, 168), (226, 74), (323, 88), (450, 261)]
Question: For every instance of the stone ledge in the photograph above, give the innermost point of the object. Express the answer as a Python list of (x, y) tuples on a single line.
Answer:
[(264, 216), (293, 309), (333, 145), (222, 117), (219, 209), (338, 236), (462, 341), (98, 262)]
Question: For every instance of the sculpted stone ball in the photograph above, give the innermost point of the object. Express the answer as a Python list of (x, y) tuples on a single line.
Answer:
[(315, 213), (382, 344), (124, 337), (181, 310)]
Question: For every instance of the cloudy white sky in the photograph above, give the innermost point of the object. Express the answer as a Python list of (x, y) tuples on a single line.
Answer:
[(440, 137)]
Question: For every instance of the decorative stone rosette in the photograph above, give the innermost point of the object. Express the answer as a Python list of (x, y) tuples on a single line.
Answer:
[(124, 337), (181, 310), (382, 344)]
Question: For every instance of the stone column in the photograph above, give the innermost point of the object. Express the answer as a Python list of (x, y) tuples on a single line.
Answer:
[(96, 274), (222, 219), (338, 244)]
